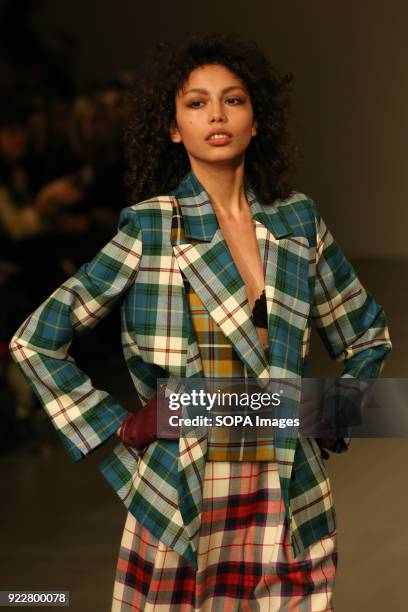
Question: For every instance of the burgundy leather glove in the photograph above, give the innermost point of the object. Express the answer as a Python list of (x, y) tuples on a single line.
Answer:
[(141, 428)]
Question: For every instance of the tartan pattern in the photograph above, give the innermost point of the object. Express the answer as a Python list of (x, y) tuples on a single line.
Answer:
[(218, 357), (244, 556), (307, 278)]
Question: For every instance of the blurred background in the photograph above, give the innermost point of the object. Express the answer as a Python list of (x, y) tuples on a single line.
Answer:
[(64, 70)]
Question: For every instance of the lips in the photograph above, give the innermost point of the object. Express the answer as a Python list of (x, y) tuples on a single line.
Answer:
[(223, 133)]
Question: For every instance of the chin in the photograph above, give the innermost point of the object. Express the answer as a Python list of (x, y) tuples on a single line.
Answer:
[(221, 156)]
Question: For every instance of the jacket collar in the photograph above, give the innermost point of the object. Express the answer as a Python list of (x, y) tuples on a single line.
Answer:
[(200, 221)]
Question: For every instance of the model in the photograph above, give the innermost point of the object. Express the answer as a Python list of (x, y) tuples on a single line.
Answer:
[(221, 268)]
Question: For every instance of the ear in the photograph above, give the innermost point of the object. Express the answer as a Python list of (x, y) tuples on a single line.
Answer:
[(175, 135), (254, 128)]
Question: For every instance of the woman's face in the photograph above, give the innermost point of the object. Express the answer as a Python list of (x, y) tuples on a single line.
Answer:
[(214, 100)]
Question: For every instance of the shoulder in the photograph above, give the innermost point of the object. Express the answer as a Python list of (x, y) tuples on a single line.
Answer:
[(301, 213), (148, 213)]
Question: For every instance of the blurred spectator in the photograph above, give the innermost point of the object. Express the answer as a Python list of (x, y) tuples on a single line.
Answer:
[(18, 217), (62, 188), (49, 150), (96, 137)]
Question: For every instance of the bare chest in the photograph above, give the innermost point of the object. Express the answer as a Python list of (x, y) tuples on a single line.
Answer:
[(243, 246), (242, 243)]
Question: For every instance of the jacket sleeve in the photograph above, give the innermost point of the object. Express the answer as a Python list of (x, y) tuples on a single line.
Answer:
[(83, 416), (351, 324)]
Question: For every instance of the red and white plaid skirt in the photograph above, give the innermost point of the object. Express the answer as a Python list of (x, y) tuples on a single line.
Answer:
[(244, 555)]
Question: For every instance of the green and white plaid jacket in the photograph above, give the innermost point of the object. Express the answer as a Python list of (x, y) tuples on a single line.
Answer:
[(307, 279)]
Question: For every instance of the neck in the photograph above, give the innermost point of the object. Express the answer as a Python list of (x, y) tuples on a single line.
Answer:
[(224, 185)]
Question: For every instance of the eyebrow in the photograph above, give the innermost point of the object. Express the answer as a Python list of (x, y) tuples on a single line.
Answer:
[(204, 91)]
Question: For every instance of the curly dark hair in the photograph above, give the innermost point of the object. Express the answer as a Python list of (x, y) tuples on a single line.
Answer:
[(156, 164)]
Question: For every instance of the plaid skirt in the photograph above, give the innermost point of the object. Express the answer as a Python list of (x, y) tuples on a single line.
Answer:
[(244, 555)]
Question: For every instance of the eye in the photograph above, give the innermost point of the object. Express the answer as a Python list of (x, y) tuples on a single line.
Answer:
[(235, 100), (194, 103)]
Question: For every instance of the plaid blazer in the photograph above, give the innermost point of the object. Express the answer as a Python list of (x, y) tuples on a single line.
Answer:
[(307, 279)]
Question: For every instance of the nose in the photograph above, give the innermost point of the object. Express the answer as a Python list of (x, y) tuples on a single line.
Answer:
[(217, 114)]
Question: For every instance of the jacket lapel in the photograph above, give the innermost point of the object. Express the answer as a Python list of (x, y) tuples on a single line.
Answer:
[(213, 275), (206, 262)]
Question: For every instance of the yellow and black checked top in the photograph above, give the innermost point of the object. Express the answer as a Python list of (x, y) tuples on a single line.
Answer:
[(219, 360)]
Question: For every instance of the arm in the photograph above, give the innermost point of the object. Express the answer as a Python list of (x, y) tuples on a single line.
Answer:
[(350, 323), (83, 415)]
